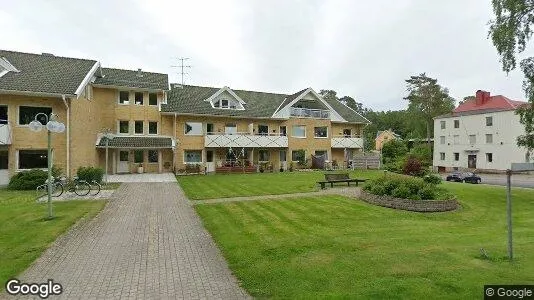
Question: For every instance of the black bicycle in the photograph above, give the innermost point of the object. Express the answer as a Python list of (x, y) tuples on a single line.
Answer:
[(77, 186), (95, 187)]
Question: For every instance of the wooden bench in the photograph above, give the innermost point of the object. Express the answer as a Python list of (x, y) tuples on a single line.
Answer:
[(339, 177)]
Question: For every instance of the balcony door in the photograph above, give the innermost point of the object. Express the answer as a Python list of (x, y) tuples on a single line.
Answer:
[(4, 172)]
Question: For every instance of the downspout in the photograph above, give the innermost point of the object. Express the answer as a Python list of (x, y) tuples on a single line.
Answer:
[(68, 133), (175, 150)]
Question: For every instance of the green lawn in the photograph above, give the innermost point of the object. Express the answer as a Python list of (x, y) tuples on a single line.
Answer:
[(198, 187), (337, 247), (24, 232)]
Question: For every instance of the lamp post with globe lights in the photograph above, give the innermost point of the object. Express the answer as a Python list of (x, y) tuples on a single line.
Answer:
[(52, 125)]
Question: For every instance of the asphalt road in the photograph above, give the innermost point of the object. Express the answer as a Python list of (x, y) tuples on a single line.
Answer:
[(518, 180)]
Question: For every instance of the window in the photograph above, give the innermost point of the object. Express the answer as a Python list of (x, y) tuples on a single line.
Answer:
[(263, 129), (28, 113), (323, 153), (230, 129), (3, 114), (299, 131), (124, 97), (138, 127), (456, 156), (456, 123), (138, 98), (298, 155), (224, 103), (456, 139), (210, 128), (124, 127), (153, 99), (442, 124), (33, 159), (263, 155), (489, 138), (442, 155), (472, 139), (489, 157), (193, 128), (442, 140), (347, 133), (489, 121), (138, 156), (153, 156), (320, 132), (283, 131), (192, 156), (152, 127)]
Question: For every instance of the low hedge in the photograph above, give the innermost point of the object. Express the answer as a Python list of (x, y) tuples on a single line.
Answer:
[(406, 187), (27, 180), (90, 173)]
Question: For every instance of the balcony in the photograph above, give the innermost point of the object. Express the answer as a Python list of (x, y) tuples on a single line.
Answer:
[(347, 141), (245, 139), (309, 113), (5, 133)]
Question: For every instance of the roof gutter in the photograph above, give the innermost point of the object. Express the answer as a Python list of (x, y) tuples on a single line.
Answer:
[(123, 87), (37, 94)]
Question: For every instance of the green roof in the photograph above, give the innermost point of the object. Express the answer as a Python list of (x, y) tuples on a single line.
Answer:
[(189, 99), (133, 79), (44, 73), (136, 142)]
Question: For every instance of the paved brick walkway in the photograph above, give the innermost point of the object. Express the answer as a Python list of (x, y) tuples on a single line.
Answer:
[(148, 243)]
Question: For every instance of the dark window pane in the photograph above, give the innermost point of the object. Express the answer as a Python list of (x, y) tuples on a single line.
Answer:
[(3, 114), (124, 97), (263, 129), (4, 159), (124, 127), (152, 156), (28, 113), (152, 99), (153, 127), (139, 127), (139, 98), (30, 159), (138, 156)]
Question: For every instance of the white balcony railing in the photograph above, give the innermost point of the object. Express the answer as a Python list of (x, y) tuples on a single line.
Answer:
[(245, 139), (309, 113), (5, 133), (347, 141)]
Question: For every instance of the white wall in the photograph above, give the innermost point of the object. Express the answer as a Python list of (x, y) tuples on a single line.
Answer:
[(505, 130)]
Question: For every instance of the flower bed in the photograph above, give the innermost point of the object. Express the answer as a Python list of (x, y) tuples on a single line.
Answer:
[(408, 204)]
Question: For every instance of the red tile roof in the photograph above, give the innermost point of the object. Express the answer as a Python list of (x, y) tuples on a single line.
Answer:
[(493, 102)]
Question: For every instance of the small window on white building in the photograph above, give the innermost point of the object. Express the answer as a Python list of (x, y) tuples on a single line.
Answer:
[(472, 139), (456, 139), (489, 138), (442, 155), (489, 121), (263, 155), (489, 157), (456, 123), (299, 131), (442, 140), (442, 124), (192, 156), (193, 128), (456, 156)]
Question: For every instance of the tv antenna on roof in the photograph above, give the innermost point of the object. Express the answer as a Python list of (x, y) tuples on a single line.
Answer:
[(182, 66)]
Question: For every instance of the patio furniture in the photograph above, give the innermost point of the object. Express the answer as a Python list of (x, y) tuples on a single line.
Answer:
[(339, 177)]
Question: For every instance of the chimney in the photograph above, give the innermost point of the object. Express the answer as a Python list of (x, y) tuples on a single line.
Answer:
[(486, 97), (481, 97), (47, 54), (139, 73)]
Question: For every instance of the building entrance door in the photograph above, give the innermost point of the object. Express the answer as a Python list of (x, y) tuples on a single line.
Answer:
[(123, 162), (472, 161)]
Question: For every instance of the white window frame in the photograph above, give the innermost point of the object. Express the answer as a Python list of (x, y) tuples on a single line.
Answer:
[(17, 159), (442, 156), (321, 137), (305, 152), (293, 131), (142, 96), (486, 121), (119, 98), (119, 127), (194, 134), (491, 157), (142, 127), (456, 154), (280, 130), (18, 113), (443, 124), (442, 140), (469, 139), (454, 124), (489, 135), (195, 150), (148, 128), (258, 133), (268, 155)]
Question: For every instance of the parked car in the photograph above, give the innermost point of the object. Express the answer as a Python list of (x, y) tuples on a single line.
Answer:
[(456, 176), (471, 178)]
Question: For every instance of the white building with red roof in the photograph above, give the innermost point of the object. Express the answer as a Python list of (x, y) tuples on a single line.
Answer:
[(480, 134)]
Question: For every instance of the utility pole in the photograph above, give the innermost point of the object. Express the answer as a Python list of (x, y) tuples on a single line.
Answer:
[(182, 66)]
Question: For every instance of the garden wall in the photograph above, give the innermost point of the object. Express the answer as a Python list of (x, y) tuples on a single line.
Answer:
[(411, 205)]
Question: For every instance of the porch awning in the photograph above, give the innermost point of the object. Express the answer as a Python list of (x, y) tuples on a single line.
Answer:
[(137, 142)]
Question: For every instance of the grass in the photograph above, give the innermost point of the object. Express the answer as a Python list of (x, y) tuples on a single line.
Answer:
[(335, 247), (198, 187), (24, 231)]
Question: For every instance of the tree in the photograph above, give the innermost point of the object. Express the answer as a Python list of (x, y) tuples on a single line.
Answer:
[(427, 100), (510, 32), (328, 94), (356, 106)]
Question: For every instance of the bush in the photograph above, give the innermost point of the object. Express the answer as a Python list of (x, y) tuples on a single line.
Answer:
[(432, 179), (90, 173), (423, 153), (427, 193), (413, 167), (28, 180), (378, 190), (401, 191), (406, 187), (393, 149)]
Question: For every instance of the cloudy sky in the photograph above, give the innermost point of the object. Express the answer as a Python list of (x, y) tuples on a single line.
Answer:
[(363, 49)]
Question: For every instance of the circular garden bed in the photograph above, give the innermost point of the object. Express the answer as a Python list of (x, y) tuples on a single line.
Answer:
[(409, 204)]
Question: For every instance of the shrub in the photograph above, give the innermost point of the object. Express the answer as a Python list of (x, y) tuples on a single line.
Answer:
[(413, 167), (378, 190), (432, 179), (90, 173), (423, 153), (401, 191), (393, 149), (56, 171), (414, 184), (427, 193), (28, 180)]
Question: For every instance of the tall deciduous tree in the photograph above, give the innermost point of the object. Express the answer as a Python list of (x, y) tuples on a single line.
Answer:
[(427, 100), (510, 32)]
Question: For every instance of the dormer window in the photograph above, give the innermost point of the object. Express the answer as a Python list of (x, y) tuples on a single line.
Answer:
[(225, 98), (226, 104), (6, 67)]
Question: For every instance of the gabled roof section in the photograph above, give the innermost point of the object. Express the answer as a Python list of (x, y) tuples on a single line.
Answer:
[(347, 113), (494, 102), (43, 74), (133, 79), (6, 66), (228, 90), (290, 98)]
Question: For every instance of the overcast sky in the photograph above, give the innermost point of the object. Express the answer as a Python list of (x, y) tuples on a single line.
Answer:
[(363, 49)]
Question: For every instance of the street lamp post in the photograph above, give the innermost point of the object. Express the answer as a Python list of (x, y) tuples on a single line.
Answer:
[(108, 135), (52, 126)]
